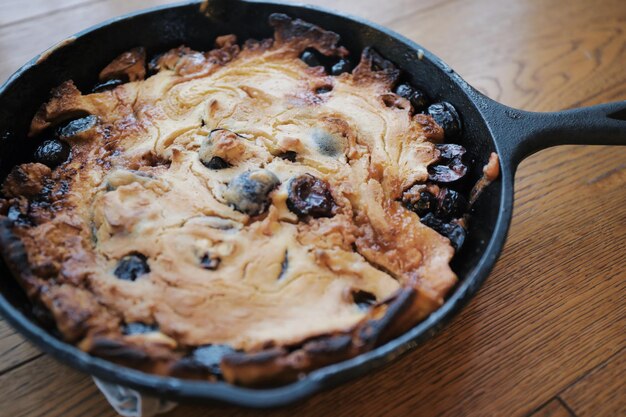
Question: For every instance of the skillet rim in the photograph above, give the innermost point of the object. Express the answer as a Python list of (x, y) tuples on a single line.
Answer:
[(323, 378)]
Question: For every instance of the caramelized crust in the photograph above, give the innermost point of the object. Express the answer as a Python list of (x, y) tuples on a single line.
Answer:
[(150, 221)]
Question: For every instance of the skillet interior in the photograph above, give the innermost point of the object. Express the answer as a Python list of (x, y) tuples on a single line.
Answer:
[(164, 28)]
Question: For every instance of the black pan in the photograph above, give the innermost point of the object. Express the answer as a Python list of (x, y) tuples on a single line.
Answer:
[(488, 126)]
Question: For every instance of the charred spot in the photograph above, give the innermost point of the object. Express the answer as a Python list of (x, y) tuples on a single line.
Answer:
[(329, 345), (254, 358), (376, 331), (118, 350)]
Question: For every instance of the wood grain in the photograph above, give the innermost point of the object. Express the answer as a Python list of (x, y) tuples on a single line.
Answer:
[(553, 311), (14, 350), (554, 408), (602, 392), (14, 11)]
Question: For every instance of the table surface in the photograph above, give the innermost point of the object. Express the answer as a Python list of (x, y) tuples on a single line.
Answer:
[(546, 334)]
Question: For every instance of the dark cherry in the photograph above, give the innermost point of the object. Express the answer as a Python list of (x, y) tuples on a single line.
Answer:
[(249, 192), (310, 196), (419, 99), (139, 328), (452, 168), (447, 117), (107, 85), (132, 266), (363, 299), (454, 171), (289, 156), (209, 262), (311, 57), (343, 65), (450, 204), (210, 356), (449, 151), (77, 126), (426, 203), (216, 163), (453, 231), (52, 153)]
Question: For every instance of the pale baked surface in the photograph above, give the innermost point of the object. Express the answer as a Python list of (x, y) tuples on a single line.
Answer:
[(224, 271)]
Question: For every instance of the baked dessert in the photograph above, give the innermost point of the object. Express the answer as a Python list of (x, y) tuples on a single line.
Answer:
[(241, 213)]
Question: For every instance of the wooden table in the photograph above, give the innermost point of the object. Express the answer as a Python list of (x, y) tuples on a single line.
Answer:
[(546, 334)]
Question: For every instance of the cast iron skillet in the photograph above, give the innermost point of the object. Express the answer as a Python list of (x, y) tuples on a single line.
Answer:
[(488, 126)]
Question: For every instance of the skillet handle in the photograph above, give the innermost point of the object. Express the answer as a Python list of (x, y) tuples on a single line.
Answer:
[(523, 133)]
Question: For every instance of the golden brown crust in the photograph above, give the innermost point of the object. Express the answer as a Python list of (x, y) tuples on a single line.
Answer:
[(130, 65), (276, 285)]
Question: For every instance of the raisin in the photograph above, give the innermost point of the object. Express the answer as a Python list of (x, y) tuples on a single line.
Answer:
[(363, 299), (289, 156), (310, 196), (311, 57), (209, 262), (453, 231), (138, 328), (249, 192), (343, 65), (447, 117), (132, 266), (216, 163), (52, 153), (77, 126)]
